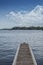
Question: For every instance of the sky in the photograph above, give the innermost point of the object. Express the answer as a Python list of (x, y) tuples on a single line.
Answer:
[(21, 13)]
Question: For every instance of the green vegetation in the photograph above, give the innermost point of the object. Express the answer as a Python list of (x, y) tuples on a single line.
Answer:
[(25, 28)]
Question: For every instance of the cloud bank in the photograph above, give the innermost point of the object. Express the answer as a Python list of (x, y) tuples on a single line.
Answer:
[(26, 18), (23, 18)]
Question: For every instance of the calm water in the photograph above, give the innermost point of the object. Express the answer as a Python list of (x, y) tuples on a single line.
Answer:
[(9, 41)]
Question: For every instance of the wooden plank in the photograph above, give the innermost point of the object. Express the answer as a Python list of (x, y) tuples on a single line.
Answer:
[(24, 56)]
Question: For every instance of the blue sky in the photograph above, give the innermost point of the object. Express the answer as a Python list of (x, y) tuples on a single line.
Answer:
[(8, 5), (11, 12)]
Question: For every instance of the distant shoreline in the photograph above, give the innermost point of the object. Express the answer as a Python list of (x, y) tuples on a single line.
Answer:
[(24, 28)]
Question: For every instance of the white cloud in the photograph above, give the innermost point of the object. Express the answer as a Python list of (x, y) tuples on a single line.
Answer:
[(25, 18)]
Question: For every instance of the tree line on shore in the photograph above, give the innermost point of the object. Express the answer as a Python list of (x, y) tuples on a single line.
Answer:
[(25, 28)]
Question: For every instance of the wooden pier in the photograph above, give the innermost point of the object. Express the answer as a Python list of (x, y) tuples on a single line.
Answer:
[(24, 56)]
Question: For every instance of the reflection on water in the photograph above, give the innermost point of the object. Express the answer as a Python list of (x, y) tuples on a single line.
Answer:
[(9, 41)]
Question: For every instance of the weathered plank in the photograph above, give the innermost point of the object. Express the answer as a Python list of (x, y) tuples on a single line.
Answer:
[(24, 56)]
